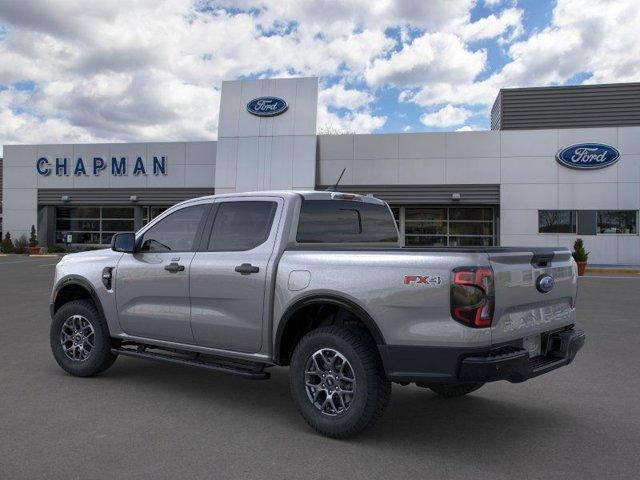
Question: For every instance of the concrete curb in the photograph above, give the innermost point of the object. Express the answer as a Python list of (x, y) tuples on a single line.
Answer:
[(612, 271)]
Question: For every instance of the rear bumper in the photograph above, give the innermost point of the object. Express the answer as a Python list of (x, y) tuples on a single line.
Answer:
[(504, 362)]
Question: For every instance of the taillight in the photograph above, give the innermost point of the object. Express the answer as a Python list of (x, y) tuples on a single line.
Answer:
[(472, 296)]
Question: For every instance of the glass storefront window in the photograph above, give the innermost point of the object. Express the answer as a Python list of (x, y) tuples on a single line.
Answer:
[(470, 241), (484, 214), (78, 212), (92, 225), (471, 228), (556, 221), (447, 226), (618, 221), (425, 241)]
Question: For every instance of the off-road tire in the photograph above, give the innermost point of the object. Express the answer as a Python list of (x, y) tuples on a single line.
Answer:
[(452, 390), (372, 390), (100, 358)]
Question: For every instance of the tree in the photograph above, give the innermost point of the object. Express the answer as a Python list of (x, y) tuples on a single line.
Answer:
[(7, 244), (331, 129), (33, 238)]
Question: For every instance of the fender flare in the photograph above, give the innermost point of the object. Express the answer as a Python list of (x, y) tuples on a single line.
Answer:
[(333, 299), (80, 282)]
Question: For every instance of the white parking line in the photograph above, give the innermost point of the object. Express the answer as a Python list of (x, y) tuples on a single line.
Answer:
[(606, 276), (48, 264), (18, 261)]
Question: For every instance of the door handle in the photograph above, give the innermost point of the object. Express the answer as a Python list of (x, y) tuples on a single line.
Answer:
[(247, 269), (174, 268)]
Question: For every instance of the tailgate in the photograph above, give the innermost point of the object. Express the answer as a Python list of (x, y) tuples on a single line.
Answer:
[(521, 309)]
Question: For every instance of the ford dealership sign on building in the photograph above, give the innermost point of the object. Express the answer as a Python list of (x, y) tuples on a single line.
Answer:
[(588, 156), (267, 106)]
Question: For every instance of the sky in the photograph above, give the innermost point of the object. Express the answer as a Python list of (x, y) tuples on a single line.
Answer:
[(76, 71)]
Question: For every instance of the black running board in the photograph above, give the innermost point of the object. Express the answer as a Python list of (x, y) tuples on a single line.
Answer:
[(251, 372)]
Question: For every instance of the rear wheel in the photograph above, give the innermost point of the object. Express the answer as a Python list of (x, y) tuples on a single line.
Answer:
[(337, 381), (80, 339), (451, 390)]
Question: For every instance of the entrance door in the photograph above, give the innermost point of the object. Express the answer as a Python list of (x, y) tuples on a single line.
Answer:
[(228, 278), (152, 285)]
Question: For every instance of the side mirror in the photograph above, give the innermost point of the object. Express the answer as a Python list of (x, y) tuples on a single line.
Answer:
[(124, 242)]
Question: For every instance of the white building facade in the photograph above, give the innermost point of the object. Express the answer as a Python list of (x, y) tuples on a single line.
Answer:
[(499, 187)]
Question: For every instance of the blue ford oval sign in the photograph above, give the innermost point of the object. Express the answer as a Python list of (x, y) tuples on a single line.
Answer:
[(267, 106), (588, 156), (545, 283)]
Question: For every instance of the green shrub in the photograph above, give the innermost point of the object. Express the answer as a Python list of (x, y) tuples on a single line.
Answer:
[(20, 245), (33, 238), (579, 253), (7, 244), (57, 248)]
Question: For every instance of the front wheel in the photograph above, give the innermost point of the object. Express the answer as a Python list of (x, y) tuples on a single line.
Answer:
[(337, 381), (80, 339)]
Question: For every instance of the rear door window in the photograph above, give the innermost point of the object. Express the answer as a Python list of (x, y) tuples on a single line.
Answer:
[(339, 221), (241, 225)]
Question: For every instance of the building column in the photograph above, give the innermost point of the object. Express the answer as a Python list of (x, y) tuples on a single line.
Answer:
[(46, 226)]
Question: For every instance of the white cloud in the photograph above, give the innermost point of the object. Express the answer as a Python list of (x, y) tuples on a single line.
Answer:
[(596, 38), (508, 22), (340, 97), (151, 69), (331, 15), (433, 57), (407, 128), (357, 119), (447, 116), (351, 122), (469, 128)]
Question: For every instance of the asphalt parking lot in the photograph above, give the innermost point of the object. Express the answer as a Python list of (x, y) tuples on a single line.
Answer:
[(148, 420)]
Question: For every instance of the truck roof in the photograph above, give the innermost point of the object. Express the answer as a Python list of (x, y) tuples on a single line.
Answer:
[(306, 194)]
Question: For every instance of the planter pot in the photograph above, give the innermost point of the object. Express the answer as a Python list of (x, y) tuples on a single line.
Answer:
[(33, 250), (582, 266)]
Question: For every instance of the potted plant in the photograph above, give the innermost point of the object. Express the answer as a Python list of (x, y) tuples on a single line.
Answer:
[(580, 255), (33, 249), (7, 244)]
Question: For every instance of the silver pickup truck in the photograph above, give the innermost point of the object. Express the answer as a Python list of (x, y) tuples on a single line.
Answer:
[(316, 281)]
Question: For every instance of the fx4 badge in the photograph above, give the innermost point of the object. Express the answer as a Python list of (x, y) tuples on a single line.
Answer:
[(425, 280)]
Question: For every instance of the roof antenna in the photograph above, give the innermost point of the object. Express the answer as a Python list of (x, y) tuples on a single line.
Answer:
[(334, 187)]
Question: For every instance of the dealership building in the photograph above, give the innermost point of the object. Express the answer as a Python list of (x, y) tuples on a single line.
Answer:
[(559, 163)]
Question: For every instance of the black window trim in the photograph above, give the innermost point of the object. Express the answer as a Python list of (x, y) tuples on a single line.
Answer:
[(197, 241), (208, 228)]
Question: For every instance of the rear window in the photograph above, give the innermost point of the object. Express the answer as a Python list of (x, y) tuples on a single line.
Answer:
[(339, 221)]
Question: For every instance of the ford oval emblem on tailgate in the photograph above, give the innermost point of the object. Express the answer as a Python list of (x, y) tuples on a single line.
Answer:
[(545, 283)]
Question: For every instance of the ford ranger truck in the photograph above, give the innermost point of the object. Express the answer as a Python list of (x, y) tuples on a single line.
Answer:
[(316, 281)]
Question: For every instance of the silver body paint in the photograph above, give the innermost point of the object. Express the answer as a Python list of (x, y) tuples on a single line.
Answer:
[(210, 308)]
